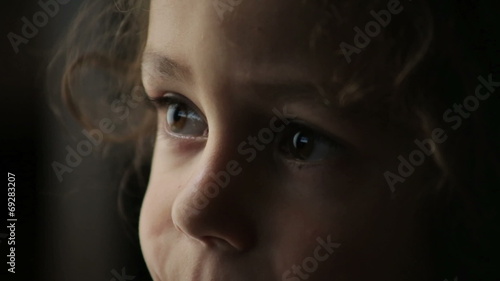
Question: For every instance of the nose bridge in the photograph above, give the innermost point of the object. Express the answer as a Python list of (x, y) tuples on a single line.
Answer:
[(216, 203), (219, 200), (218, 175)]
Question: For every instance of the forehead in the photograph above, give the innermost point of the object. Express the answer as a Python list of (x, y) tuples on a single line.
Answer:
[(243, 41), (239, 34)]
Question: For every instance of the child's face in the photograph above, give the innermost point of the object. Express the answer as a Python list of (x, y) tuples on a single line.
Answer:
[(258, 174)]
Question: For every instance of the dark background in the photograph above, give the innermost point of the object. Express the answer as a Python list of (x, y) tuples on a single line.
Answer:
[(68, 230)]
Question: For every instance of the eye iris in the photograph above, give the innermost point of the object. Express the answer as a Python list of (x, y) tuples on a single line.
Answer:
[(176, 117), (302, 145)]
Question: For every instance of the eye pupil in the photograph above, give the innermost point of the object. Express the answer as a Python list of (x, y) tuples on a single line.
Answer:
[(176, 113), (184, 120), (176, 117), (302, 145)]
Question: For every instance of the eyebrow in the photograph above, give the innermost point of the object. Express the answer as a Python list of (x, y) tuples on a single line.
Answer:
[(277, 90), (166, 67)]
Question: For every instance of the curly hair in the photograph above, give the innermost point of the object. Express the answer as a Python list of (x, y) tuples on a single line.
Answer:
[(430, 57)]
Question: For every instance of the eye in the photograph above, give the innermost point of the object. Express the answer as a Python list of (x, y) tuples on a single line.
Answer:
[(182, 119), (301, 143)]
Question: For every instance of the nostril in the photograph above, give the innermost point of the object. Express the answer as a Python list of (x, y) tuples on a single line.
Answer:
[(221, 244), (190, 226), (212, 225)]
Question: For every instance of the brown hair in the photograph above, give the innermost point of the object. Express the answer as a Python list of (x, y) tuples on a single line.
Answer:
[(431, 58)]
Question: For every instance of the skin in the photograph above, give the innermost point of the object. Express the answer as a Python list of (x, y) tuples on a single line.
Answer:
[(267, 221)]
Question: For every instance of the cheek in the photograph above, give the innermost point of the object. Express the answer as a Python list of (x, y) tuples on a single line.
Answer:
[(156, 230), (170, 172), (156, 211), (350, 203)]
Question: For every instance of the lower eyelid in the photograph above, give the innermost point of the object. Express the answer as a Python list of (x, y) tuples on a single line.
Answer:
[(167, 135), (301, 165), (183, 142)]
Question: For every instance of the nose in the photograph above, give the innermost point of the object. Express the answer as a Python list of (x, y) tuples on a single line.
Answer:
[(217, 205)]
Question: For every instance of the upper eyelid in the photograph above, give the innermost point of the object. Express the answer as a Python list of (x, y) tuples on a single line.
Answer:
[(179, 98), (331, 137), (311, 163), (176, 97)]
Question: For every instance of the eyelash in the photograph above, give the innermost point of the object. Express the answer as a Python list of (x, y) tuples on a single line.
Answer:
[(301, 135), (298, 128), (164, 103)]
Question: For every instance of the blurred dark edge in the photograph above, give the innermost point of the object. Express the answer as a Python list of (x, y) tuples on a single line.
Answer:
[(65, 231)]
